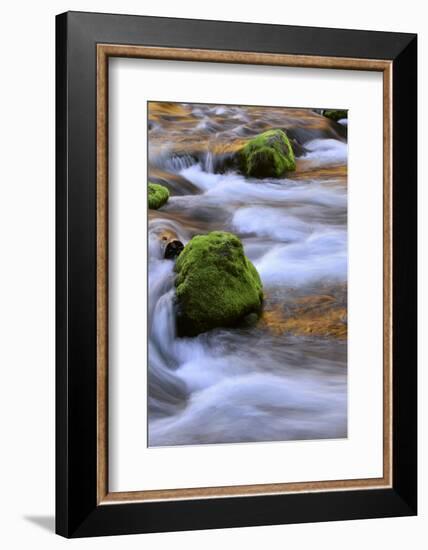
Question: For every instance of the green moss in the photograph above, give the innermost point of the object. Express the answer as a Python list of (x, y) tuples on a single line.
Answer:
[(157, 195), (216, 284), (268, 155), (335, 114)]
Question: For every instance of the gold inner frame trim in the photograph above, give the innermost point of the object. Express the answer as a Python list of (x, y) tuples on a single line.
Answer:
[(104, 51)]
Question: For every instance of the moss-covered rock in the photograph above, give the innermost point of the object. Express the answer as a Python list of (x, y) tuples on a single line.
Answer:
[(216, 284), (157, 195), (335, 114), (269, 154)]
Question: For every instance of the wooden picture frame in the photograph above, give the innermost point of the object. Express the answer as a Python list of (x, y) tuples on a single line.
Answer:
[(84, 504)]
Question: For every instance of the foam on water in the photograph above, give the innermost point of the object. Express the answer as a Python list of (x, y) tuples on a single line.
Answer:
[(271, 222), (326, 152), (256, 407), (320, 257), (234, 187)]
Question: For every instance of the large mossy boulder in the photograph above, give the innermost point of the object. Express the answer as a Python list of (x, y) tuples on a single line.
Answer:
[(268, 155), (157, 195), (216, 284), (335, 114)]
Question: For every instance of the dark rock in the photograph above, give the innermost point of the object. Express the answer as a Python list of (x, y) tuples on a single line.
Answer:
[(335, 114), (250, 320), (173, 249)]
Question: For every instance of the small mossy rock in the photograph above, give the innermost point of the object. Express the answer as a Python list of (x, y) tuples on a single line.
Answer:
[(216, 284), (157, 195), (268, 155), (335, 114)]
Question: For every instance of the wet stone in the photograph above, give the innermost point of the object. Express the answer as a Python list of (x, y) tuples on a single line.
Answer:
[(173, 249)]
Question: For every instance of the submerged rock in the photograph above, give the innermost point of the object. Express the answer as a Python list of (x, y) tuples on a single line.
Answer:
[(269, 154), (216, 284), (335, 114), (173, 249), (157, 195), (318, 315)]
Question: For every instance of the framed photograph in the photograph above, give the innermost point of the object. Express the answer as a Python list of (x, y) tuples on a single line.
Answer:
[(236, 274)]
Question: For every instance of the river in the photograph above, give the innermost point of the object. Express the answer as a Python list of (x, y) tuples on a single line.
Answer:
[(286, 377)]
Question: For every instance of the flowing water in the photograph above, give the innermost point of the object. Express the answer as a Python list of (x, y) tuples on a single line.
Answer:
[(286, 377)]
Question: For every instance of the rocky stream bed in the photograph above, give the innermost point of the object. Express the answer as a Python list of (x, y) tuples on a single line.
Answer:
[(272, 365)]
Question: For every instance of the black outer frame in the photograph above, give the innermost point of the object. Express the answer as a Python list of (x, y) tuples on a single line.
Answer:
[(77, 513)]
